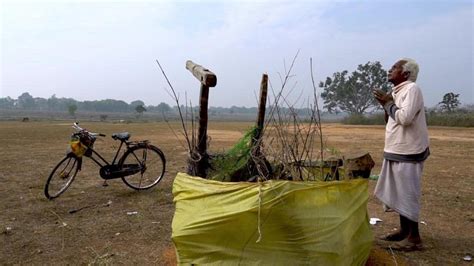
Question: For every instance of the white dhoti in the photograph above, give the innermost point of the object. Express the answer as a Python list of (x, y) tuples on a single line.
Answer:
[(399, 187)]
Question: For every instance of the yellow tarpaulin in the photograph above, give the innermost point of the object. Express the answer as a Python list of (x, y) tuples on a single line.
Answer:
[(298, 223)]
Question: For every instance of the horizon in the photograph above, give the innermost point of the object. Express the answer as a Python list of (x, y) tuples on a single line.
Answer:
[(172, 105)]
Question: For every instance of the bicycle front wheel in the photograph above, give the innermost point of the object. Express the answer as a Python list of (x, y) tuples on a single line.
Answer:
[(145, 164), (61, 177)]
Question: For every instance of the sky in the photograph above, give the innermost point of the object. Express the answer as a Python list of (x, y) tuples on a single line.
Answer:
[(103, 49)]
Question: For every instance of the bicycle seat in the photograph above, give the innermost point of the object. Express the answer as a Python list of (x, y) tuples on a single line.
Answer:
[(121, 136)]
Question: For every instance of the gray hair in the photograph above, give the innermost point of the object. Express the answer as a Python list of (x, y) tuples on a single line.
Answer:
[(412, 67)]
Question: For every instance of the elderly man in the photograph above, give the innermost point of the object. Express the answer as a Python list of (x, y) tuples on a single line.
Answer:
[(406, 148)]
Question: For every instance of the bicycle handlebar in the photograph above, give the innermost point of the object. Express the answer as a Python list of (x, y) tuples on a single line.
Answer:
[(80, 129), (77, 127)]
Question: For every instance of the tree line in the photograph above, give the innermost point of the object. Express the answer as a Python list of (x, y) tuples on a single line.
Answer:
[(343, 92), (27, 102)]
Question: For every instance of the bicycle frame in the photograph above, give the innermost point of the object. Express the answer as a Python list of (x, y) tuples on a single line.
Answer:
[(114, 169), (104, 161)]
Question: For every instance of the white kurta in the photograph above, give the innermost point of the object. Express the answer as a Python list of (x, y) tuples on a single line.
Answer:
[(399, 184), (407, 133)]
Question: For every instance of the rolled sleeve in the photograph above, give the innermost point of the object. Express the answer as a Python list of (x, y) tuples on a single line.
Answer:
[(390, 108)]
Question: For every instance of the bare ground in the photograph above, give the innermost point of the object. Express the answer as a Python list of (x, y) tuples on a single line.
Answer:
[(37, 231)]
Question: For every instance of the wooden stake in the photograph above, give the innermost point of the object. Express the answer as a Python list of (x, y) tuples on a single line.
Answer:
[(207, 79), (202, 132), (262, 106), (263, 101), (259, 165)]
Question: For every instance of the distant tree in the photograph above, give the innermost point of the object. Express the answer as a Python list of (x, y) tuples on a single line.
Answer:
[(163, 108), (450, 102), (140, 109), (103, 118), (53, 102), (352, 93), (72, 109), (108, 105), (41, 103), (26, 101), (136, 103), (238, 110), (7, 103)]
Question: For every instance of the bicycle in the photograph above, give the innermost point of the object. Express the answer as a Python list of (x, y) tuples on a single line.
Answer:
[(140, 167)]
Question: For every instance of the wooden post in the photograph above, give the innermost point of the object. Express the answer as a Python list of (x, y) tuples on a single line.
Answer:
[(202, 131), (259, 165), (261, 112), (207, 79), (262, 105)]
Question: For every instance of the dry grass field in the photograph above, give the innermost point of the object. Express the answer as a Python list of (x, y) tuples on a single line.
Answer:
[(37, 231)]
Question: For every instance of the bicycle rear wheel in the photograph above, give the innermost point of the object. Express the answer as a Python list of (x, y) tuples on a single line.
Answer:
[(146, 164), (61, 177)]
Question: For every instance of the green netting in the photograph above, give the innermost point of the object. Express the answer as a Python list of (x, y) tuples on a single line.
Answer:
[(224, 166)]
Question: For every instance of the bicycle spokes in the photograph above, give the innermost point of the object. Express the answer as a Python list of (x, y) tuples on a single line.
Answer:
[(64, 175), (151, 163), (143, 162), (61, 177)]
